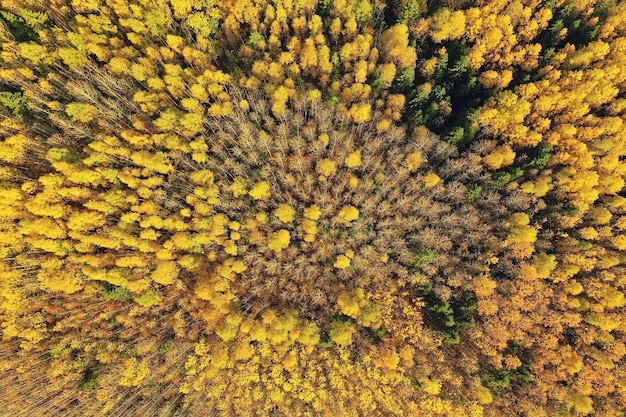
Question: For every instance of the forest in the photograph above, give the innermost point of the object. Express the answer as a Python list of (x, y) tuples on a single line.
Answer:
[(312, 208)]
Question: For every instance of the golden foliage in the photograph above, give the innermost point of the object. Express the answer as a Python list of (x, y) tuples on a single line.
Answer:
[(199, 200)]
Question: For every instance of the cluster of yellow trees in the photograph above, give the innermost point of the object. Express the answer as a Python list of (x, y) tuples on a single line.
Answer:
[(334, 207)]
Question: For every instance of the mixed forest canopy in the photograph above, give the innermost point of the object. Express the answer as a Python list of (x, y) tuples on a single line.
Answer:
[(312, 208)]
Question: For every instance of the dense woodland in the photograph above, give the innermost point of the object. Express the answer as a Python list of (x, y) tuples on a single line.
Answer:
[(312, 208)]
